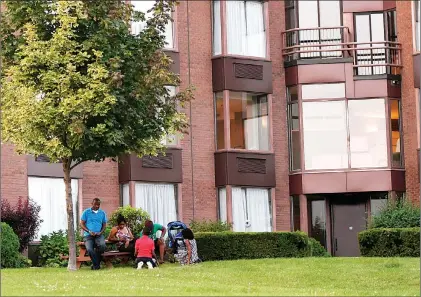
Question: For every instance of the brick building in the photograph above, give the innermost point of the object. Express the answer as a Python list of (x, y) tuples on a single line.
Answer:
[(302, 112)]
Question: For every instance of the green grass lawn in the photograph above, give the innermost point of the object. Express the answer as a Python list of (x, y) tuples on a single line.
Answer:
[(288, 277)]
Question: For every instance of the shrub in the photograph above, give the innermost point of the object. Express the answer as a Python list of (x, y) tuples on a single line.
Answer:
[(51, 247), (316, 249), (397, 214), (10, 256), (232, 246), (209, 226), (397, 242), (23, 218), (135, 218)]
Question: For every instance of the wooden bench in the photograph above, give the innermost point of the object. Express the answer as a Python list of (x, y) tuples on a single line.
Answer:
[(107, 257)]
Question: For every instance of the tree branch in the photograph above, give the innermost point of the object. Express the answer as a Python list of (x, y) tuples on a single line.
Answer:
[(77, 163)]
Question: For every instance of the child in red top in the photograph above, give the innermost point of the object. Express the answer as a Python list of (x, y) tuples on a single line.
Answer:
[(145, 250)]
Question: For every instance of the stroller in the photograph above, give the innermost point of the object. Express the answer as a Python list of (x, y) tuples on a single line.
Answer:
[(175, 237)]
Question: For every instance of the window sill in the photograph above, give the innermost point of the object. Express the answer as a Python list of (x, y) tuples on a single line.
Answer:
[(244, 151), (241, 57)]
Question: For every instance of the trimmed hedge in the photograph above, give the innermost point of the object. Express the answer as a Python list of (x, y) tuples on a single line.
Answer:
[(394, 242), (10, 256), (233, 246)]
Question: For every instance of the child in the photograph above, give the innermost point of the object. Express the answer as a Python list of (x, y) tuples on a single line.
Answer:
[(145, 250), (187, 251)]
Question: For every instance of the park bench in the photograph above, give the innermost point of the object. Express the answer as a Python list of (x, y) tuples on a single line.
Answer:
[(107, 257)]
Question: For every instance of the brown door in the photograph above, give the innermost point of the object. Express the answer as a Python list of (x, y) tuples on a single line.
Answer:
[(348, 220)]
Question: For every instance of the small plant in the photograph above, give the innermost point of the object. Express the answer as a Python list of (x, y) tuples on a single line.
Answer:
[(135, 218), (316, 249), (397, 214), (51, 247), (209, 226), (23, 218), (10, 256)]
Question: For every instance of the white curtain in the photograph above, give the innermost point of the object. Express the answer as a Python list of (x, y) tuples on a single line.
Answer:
[(246, 28), (222, 204), (138, 27), (125, 194), (217, 39), (251, 210), (158, 200), (49, 193)]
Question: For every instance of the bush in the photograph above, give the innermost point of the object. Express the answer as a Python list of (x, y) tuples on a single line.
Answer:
[(397, 242), (51, 247), (397, 214), (23, 218), (316, 249), (135, 218), (232, 246), (10, 256), (209, 226)]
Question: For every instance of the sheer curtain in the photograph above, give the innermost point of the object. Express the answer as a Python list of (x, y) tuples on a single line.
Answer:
[(222, 204), (246, 28), (125, 194), (217, 39), (158, 200), (251, 210), (49, 193)]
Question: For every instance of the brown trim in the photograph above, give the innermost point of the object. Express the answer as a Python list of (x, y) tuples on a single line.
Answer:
[(416, 64), (304, 222), (52, 170), (227, 123), (132, 194), (228, 190)]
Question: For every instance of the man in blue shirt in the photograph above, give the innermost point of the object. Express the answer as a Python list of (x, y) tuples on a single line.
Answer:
[(93, 222)]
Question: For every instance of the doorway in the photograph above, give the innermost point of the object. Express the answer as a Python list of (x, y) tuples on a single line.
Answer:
[(349, 217)]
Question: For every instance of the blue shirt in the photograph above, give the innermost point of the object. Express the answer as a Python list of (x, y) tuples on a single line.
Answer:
[(93, 221)]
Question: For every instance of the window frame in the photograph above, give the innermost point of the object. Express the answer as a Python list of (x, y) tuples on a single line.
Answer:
[(401, 140), (291, 130)]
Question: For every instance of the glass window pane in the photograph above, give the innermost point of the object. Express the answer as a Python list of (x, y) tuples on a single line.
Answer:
[(323, 91), (294, 134), (249, 126), (367, 129), (318, 221), (325, 135), (330, 13), (377, 205), (246, 34), (170, 139), (396, 134), (295, 213), (222, 196), (292, 93), (219, 121), (308, 14), (217, 39)]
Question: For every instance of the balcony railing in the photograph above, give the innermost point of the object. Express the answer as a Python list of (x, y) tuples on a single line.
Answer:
[(369, 58)]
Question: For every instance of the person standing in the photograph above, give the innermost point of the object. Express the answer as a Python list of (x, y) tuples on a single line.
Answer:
[(159, 243), (94, 222)]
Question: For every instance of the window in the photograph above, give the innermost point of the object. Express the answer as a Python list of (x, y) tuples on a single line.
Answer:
[(125, 196), (290, 15), (294, 129), (246, 32), (249, 126), (367, 130), (137, 27), (170, 139), (318, 220), (395, 127), (417, 24), (251, 210), (159, 200), (219, 121), (325, 135), (216, 23), (50, 195), (377, 203), (222, 200), (323, 91), (295, 213)]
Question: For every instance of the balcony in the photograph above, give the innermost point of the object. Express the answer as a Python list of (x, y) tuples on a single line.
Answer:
[(332, 44)]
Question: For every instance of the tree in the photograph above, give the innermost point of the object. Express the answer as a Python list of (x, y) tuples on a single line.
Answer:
[(78, 86)]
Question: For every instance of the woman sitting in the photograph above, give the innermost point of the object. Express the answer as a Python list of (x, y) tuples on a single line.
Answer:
[(123, 237), (187, 249)]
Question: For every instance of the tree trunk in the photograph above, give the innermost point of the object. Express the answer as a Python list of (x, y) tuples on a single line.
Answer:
[(70, 218)]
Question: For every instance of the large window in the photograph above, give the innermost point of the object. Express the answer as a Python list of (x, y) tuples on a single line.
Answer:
[(395, 127), (159, 200), (251, 210), (317, 211), (323, 91), (170, 139), (294, 129), (125, 194), (248, 121), (325, 135), (49, 194), (367, 130), (245, 27), (137, 27)]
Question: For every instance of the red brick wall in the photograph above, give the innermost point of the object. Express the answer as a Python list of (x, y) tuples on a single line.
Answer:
[(14, 181), (279, 116), (409, 112), (199, 200), (101, 180)]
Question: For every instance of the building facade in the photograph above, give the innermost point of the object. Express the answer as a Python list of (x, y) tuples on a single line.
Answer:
[(305, 118)]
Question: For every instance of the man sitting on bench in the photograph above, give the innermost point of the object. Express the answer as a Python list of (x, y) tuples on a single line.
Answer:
[(93, 222)]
